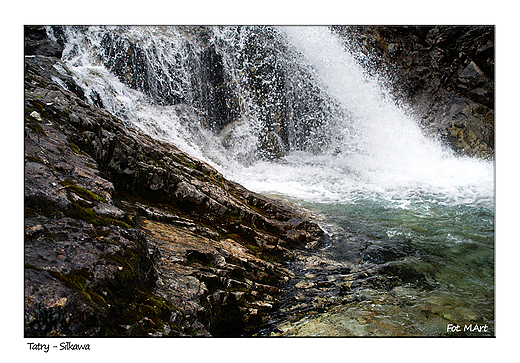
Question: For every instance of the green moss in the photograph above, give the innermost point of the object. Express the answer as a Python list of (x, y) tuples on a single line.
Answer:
[(37, 204), (127, 263), (96, 299), (75, 148), (34, 159), (82, 192), (87, 194), (87, 214), (184, 161), (252, 248), (77, 280), (119, 223), (76, 211)]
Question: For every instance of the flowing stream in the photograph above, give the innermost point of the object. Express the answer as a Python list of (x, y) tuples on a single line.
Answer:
[(410, 225)]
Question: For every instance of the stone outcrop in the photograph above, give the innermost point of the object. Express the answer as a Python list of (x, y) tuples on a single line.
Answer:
[(445, 73), (129, 236)]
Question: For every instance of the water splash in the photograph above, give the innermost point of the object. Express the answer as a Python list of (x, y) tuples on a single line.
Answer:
[(297, 93), (379, 150)]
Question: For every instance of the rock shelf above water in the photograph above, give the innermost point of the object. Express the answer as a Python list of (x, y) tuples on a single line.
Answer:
[(128, 236)]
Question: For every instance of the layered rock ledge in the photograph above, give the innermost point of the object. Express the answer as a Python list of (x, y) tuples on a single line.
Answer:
[(129, 236)]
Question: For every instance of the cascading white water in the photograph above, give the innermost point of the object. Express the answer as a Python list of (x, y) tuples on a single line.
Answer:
[(380, 149), (374, 147), (85, 54)]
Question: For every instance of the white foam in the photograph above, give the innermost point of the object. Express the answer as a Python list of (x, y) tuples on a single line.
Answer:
[(377, 149)]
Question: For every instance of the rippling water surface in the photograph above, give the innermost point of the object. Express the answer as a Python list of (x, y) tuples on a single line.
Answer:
[(417, 256)]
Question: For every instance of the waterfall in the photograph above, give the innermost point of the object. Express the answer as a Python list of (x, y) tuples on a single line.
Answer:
[(253, 100), (382, 149)]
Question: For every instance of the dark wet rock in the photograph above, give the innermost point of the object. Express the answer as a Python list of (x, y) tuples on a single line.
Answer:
[(446, 73), (37, 43), (125, 235)]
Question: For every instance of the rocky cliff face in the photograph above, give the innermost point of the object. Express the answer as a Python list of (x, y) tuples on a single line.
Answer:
[(446, 73), (128, 236)]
